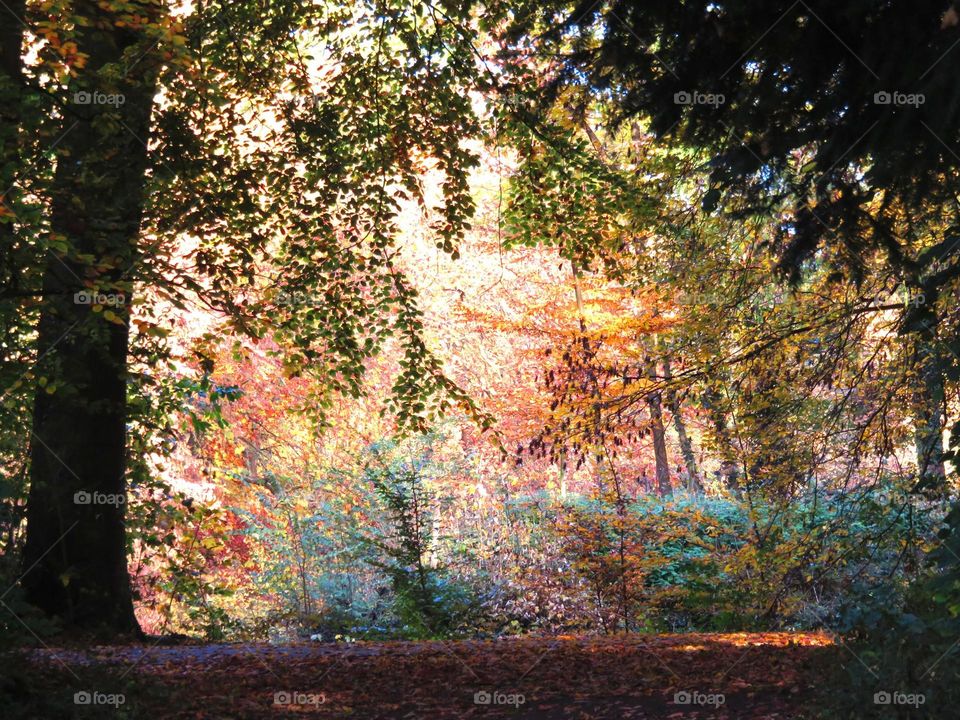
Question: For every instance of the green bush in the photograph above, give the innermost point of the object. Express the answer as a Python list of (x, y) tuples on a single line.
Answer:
[(428, 600)]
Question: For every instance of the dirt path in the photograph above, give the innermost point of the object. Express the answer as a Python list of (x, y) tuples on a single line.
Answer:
[(768, 675)]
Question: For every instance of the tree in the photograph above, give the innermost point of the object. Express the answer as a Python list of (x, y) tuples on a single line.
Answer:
[(11, 85), (694, 483), (839, 122), (13, 326), (654, 402), (79, 417), (283, 169)]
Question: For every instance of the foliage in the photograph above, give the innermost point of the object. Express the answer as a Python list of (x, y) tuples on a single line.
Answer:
[(424, 600), (903, 635), (702, 564)]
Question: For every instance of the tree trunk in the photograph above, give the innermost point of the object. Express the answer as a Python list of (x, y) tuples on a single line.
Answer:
[(11, 92), (659, 435), (435, 540), (729, 469), (694, 485), (564, 463), (15, 324), (75, 554), (621, 530), (928, 423)]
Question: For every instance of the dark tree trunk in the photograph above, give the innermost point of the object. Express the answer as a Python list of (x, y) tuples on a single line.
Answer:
[(11, 45), (729, 468), (75, 554), (694, 485), (659, 435), (14, 322), (11, 91)]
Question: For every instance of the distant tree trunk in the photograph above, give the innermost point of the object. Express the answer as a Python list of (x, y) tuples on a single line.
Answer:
[(729, 469), (659, 435), (928, 424), (564, 462), (300, 556), (75, 553), (435, 539), (694, 485), (621, 530)]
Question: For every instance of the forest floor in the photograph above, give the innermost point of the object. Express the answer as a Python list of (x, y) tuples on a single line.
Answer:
[(739, 675)]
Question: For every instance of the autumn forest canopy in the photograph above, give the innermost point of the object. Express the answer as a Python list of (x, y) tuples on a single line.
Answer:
[(450, 359)]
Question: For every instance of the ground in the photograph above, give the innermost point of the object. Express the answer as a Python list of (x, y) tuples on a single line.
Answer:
[(741, 675)]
